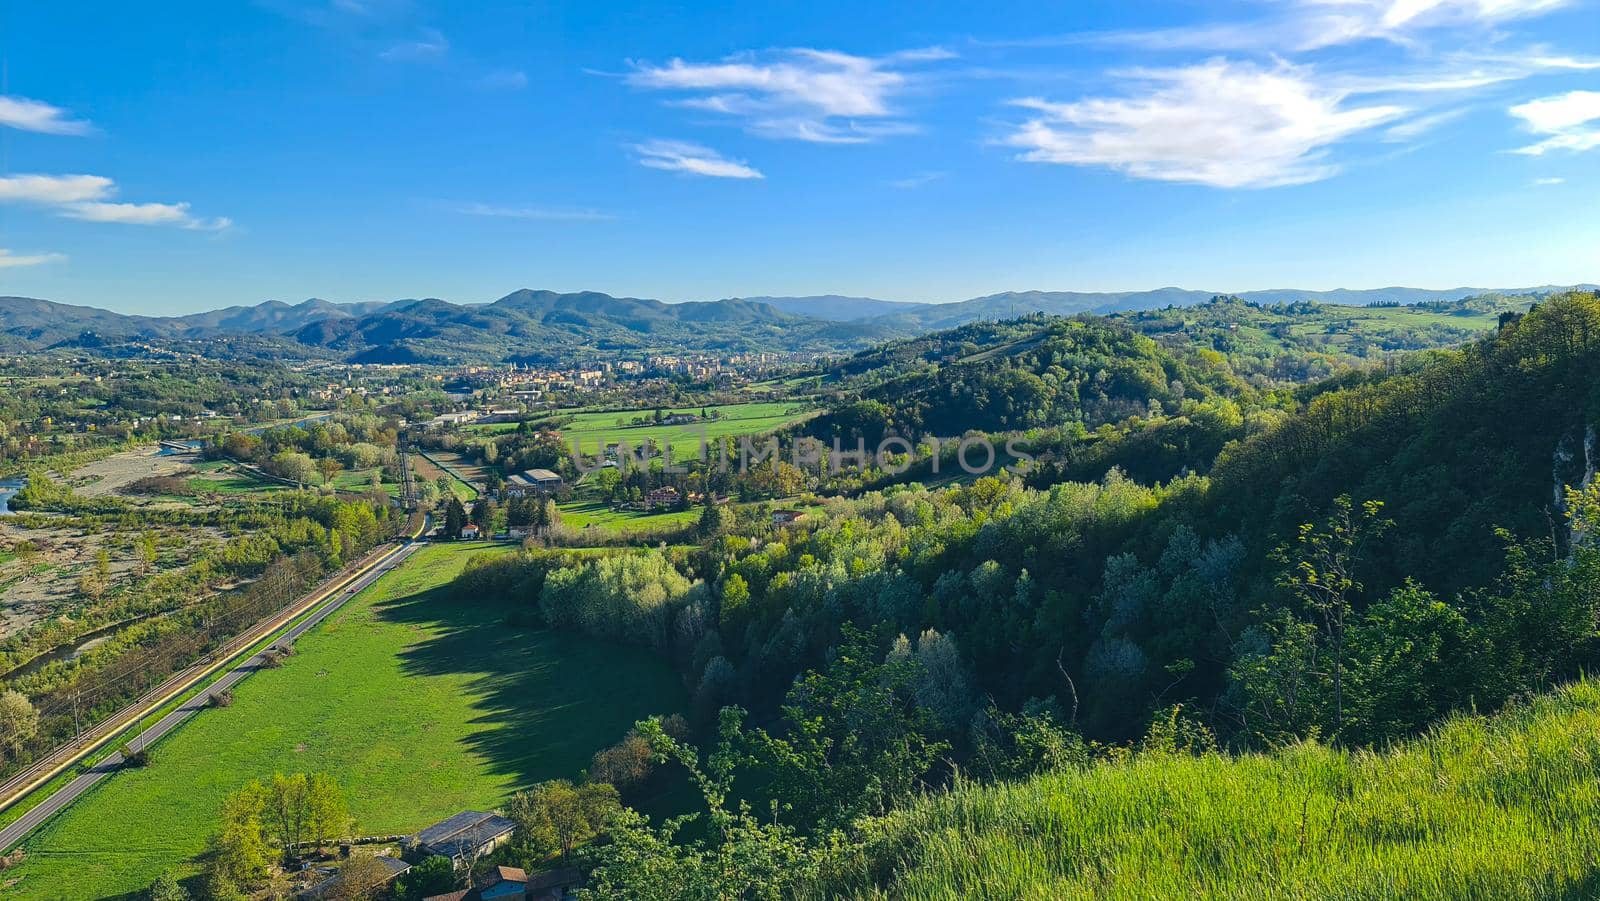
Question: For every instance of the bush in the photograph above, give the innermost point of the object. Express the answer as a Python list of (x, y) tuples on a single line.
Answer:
[(223, 698), (134, 758)]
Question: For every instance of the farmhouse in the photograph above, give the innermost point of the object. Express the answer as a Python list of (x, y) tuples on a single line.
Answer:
[(469, 533), (448, 419), (463, 837), (664, 496), (785, 517), (505, 883)]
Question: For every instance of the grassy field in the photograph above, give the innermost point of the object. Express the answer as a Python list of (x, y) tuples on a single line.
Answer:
[(593, 431), (360, 480), (583, 514), (1502, 807), (419, 704)]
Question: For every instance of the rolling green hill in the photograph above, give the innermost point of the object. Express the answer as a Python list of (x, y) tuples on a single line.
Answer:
[(1502, 807)]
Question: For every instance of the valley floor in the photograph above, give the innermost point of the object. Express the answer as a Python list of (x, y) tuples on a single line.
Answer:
[(420, 705)]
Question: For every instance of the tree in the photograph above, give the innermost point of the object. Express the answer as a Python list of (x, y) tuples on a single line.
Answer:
[(239, 853), (19, 722), (166, 888), (294, 466), (742, 856), (735, 604), (715, 519), (455, 518), (856, 743), (221, 888), (289, 810), (1323, 577), (556, 815), (329, 467), (630, 762), (1009, 746), (328, 814), (482, 512), (146, 555), (435, 875), (359, 877)]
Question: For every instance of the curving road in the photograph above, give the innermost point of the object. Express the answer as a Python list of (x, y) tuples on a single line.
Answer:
[(66, 794)]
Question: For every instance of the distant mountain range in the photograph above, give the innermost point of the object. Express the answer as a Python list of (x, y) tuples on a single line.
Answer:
[(545, 326), (918, 317)]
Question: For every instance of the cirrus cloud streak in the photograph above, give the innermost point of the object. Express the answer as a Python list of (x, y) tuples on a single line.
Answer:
[(89, 198)]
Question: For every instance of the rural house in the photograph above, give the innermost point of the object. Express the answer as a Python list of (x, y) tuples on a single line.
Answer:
[(665, 496), (505, 883), (464, 837)]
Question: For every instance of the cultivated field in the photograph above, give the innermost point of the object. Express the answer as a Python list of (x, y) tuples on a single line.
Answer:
[(420, 704), (593, 431)]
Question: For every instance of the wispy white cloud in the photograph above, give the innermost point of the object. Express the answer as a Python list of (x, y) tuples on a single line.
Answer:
[(1414, 128), (1395, 19), (55, 189), (692, 159), (430, 45), (36, 115), (143, 214), (8, 259), (822, 96), (1221, 123), (1301, 25), (1548, 182), (551, 214), (1572, 121), (912, 182), (505, 79), (87, 197)]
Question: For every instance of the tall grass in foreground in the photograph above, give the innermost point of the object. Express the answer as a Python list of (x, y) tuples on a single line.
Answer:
[(1491, 808)]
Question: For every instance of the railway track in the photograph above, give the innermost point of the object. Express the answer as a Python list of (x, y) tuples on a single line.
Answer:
[(323, 601)]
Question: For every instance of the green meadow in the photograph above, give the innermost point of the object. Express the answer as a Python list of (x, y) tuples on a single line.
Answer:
[(581, 515), (421, 704), (594, 430)]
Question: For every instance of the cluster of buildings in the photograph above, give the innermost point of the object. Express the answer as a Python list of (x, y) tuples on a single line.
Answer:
[(529, 382), (464, 839)]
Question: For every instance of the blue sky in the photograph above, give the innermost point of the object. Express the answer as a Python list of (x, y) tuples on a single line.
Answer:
[(187, 156)]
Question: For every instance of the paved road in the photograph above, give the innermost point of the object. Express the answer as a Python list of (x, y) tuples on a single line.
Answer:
[(12, 834)]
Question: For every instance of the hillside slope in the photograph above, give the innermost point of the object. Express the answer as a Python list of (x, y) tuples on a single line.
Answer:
[(1503, 807)]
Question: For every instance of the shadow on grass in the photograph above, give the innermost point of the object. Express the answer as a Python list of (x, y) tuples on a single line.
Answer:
[(544, 701)]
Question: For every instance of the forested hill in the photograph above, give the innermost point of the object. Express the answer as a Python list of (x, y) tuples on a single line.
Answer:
[(1303, 341), (1047, 372), (1019, 374), (1365, 558)]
